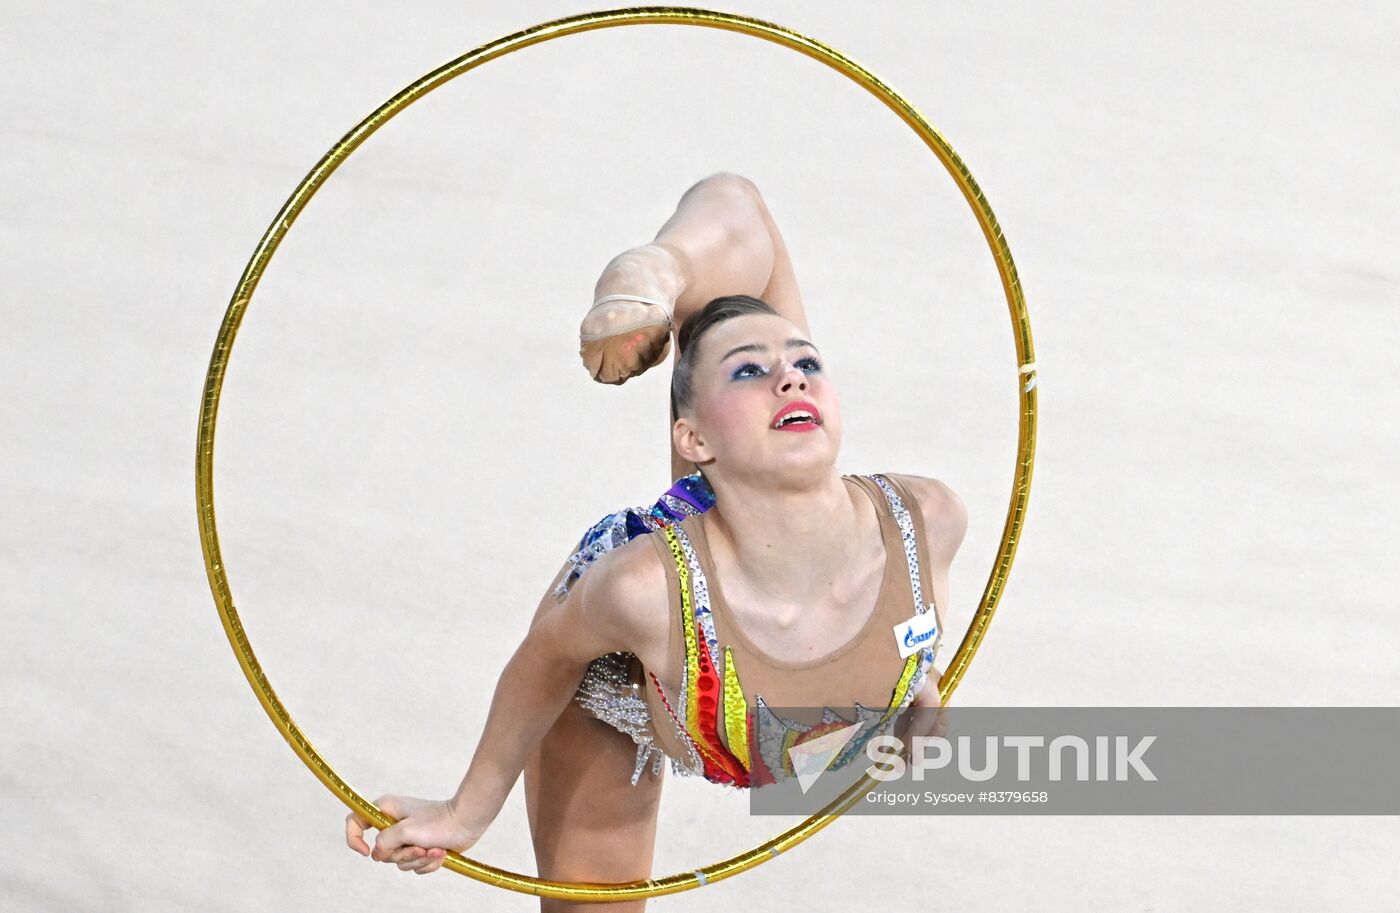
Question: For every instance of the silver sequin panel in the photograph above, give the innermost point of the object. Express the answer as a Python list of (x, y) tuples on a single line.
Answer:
[(911, 556)]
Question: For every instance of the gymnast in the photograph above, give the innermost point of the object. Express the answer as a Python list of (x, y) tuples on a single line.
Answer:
[(672, 630)]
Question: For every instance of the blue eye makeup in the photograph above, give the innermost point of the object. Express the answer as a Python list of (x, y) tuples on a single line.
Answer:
[(807, 364), (743, 371)]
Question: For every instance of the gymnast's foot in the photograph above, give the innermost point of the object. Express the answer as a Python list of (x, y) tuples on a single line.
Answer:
[(628, 329)]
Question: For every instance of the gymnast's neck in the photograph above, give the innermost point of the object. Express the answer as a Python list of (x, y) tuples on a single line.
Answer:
[(789, 531)]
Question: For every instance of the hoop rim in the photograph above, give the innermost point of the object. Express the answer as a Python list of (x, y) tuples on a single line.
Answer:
[(218, 365)]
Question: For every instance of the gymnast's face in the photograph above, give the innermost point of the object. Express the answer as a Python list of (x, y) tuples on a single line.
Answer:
[(763, 402)]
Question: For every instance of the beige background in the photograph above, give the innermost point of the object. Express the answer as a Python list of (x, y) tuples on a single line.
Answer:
[(1202, 205)]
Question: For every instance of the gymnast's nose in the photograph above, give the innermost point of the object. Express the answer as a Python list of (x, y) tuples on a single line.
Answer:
[(791, 378)]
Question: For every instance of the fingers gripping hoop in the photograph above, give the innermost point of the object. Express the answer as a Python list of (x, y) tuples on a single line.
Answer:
[(262, 254)]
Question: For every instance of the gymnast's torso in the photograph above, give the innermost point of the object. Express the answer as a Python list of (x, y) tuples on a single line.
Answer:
[(717, 703)]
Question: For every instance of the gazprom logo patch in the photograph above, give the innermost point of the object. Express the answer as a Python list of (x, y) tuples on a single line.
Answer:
[(913, 640), (915, 633)]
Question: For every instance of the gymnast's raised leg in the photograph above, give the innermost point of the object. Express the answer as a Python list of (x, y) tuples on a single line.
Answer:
[(721, 240)]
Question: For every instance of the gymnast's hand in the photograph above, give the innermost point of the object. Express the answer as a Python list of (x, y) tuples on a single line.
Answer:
[(418, 840), (926, 716)]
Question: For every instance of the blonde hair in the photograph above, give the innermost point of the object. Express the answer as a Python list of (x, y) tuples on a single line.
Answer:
[(688, 339)]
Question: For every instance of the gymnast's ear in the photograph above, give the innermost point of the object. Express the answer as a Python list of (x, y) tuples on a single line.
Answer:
[(688, 441)]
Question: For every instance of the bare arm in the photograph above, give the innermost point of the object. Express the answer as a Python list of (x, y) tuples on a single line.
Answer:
[(616, 605), (619, 604)]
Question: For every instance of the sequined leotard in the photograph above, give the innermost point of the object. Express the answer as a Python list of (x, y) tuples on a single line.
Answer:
[(717, 722)]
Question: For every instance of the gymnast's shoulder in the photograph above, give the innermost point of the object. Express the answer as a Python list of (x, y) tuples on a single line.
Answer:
[(626, 595), (943, 512)]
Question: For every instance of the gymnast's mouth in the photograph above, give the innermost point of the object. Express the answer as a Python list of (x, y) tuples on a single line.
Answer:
[(796, 416)]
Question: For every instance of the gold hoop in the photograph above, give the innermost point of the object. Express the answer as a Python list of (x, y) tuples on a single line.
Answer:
[(262, 254)]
